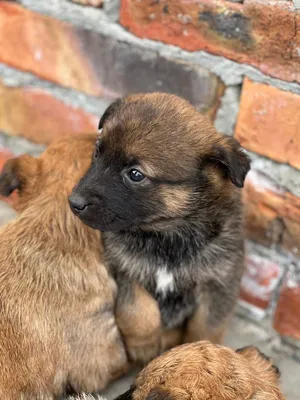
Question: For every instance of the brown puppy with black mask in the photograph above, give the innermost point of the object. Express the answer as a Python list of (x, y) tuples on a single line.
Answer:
[(164, 187)]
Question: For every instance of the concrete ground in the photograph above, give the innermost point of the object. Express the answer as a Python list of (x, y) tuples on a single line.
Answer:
[(241, 333)]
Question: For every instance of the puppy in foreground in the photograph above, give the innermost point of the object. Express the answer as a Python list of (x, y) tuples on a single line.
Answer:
[(164, 188), (57, 324), (202, 370)]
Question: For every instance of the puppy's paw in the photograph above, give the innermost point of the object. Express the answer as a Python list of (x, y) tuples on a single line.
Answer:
[(141, 355)]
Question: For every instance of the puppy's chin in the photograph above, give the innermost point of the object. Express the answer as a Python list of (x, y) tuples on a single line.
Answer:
[(91, 223)]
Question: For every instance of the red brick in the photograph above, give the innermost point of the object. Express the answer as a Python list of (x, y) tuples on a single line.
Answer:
[(272, 214), (269, 122), (287, 315), (93, 3), (40, 117), (43, 46), (263, 33), (260, 281), (96, 63)]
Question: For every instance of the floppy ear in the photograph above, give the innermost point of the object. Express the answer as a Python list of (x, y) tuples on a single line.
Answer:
[(111, 109), (228, 155), (14, 174), (262, 362), (159, 394)]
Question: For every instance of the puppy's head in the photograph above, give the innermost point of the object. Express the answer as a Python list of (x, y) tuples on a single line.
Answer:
[(51, 175), (203, 370), (156, 160)]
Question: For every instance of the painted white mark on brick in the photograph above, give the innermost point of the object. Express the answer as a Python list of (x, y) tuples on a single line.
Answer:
[(38, 55)]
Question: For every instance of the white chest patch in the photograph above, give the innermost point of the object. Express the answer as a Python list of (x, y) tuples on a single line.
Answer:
[(164, 281)]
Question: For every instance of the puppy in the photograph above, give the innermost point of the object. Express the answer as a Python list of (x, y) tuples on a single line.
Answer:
[(57, 323), (164, 188), (202, 371)]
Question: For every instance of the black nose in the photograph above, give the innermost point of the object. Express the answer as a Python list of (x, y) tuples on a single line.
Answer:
[(77, 203)]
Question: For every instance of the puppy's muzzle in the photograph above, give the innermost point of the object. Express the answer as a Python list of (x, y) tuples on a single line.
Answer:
[(77, 203)]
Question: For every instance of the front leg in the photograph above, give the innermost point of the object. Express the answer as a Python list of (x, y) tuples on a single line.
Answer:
[(213, 314), (138, 318)]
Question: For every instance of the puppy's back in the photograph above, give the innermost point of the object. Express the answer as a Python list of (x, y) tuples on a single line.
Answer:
[(57, 323)]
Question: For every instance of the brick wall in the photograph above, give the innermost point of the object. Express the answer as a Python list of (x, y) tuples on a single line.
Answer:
[(63, 62)]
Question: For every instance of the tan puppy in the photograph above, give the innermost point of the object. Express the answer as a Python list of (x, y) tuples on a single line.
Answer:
[(204, 371), (57, 324)]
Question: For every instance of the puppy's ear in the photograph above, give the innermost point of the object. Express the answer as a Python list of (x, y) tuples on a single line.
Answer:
[(14, 173), (259, 359), (159, 394), (229, 156), (111, 109)]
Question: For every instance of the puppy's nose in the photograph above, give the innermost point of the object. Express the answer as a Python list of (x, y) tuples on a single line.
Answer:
[(77, 203)]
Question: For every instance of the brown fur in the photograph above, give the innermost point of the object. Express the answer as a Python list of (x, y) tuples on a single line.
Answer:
[(184, 218), (57, 324), (204, 371), (141, 335)]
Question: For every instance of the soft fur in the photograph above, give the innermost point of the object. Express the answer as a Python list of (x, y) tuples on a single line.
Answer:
[(174, 241), (204, 371), (85, 397), (57, 325)]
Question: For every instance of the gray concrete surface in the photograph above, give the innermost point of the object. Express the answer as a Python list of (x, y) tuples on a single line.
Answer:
[(242, 333)]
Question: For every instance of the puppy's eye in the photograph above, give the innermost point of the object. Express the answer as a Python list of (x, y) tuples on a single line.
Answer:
[(135, 175)]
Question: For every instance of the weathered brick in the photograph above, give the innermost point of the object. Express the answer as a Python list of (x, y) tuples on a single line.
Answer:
[(38, 116), (127, 69), (269, 122), (97, 64), (272, 214), (260, 281), (287, 315), (263, 33), (94, 3), (43, 46)]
